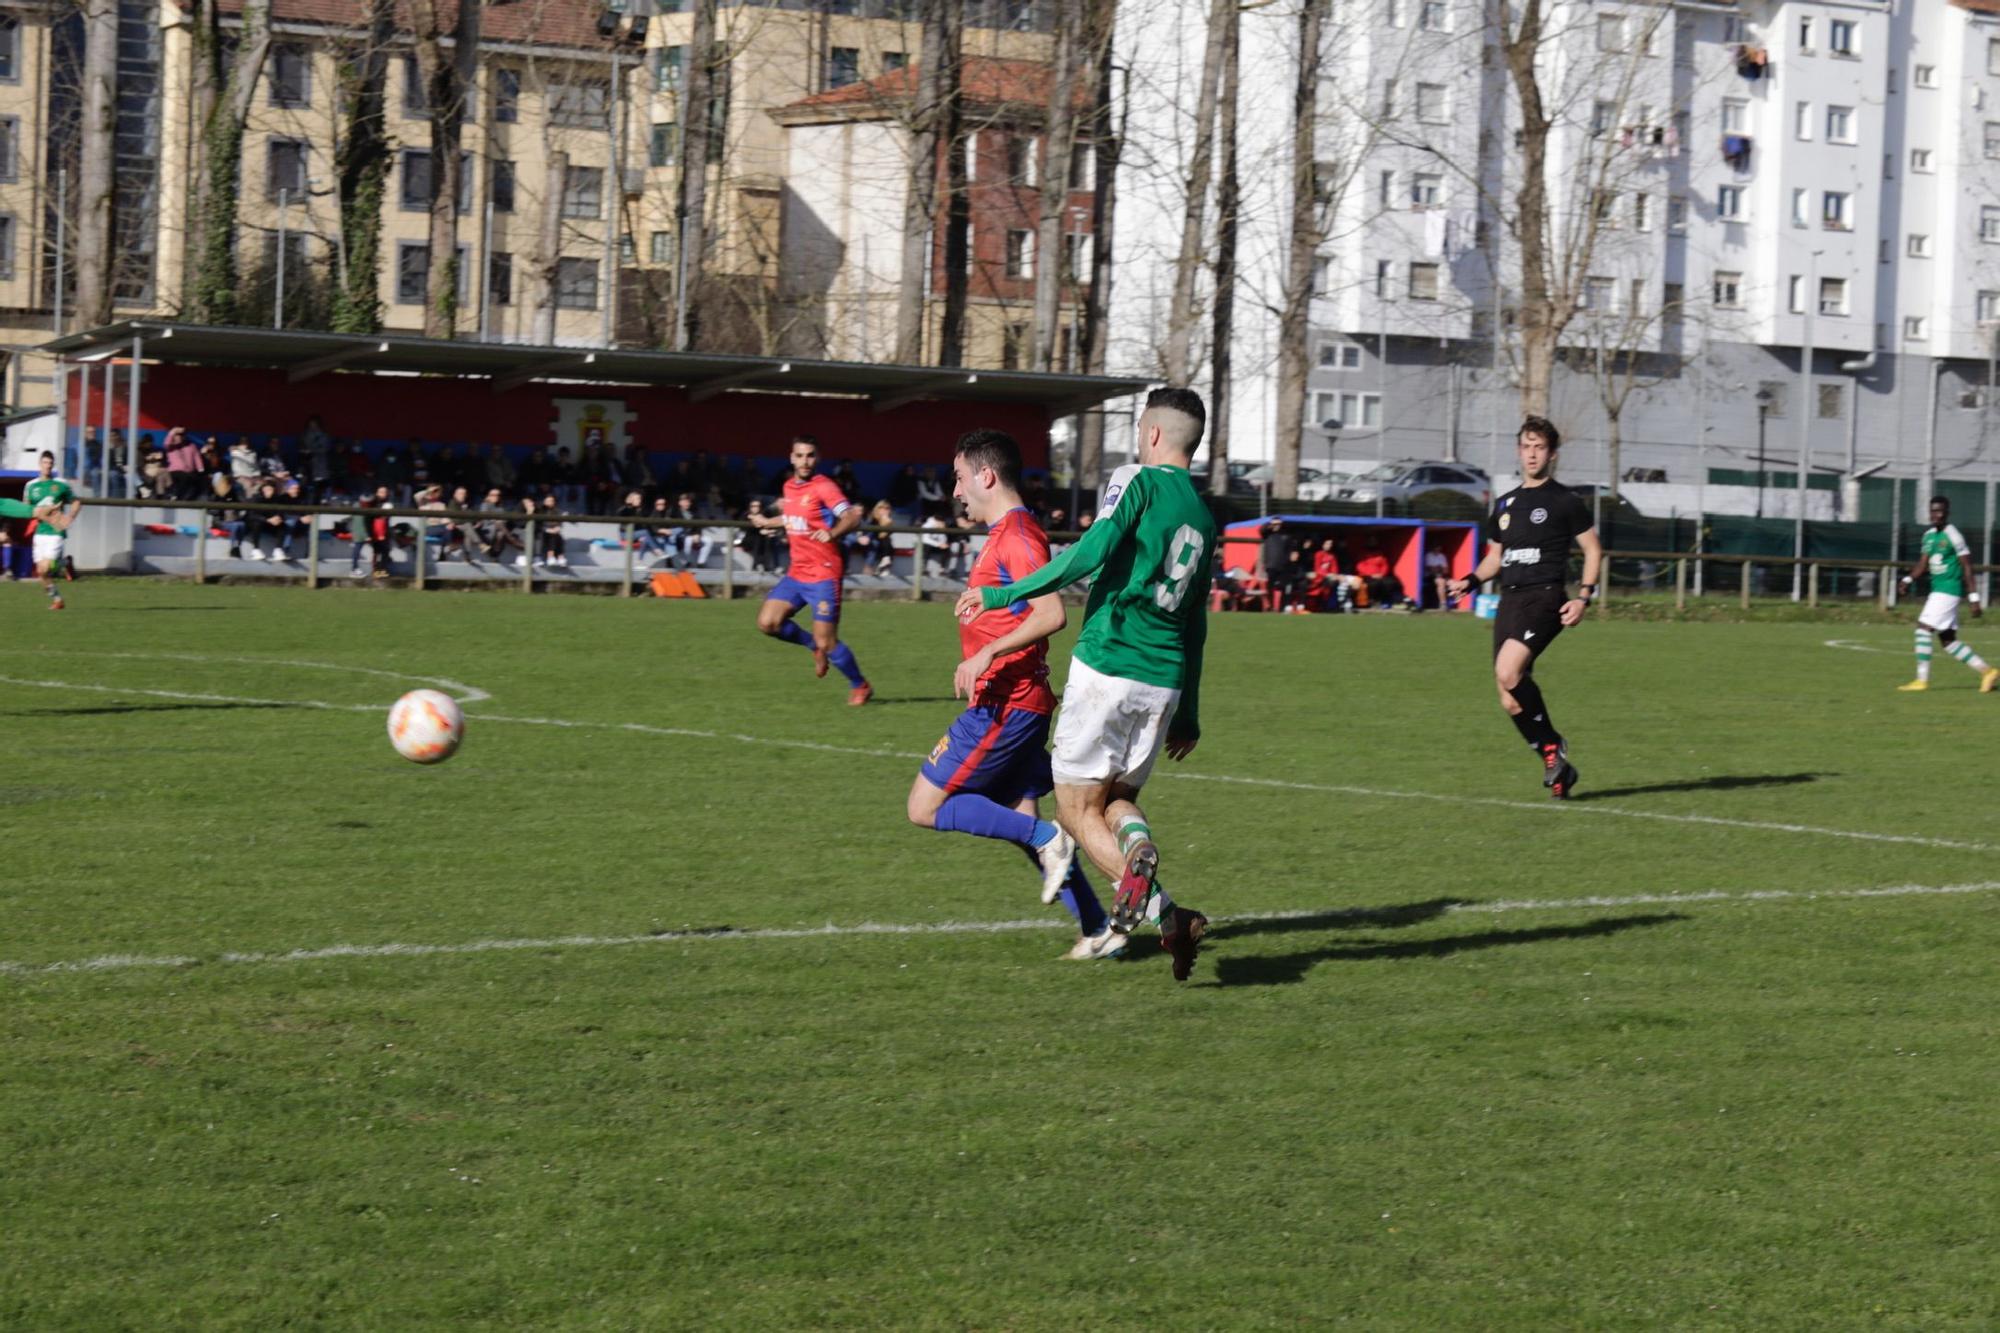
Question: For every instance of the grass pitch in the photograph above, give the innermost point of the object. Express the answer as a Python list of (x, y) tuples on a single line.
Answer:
[(1456, 1057)]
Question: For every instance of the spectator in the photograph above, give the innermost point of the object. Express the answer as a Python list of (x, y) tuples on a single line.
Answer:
[(500, 473), (1437, 568), (903, 493), (567, 477), (930, 492), (762, 545), (243, 466), (941, 550), (712, 505), (850, 485), (680, 477), (1058, 522), (656, 533), (600, 479), (394, 473), (297, 526), (360, 470), (494, 537), (155, 481), (455, 534), (316, 453), (120, 461), (1273, 552), (1036, 493), (1329, 585), (635, 472), (873, 541), (183, 465), (214, 463), (701, 473), (230, 521), (554, 553), (690, 543), (264, 528), (535, 474), (1384, 588), (7, 556), (376, 528)]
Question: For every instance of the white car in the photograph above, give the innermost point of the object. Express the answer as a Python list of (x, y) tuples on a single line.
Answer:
[(1314, 484), (1410, 478)]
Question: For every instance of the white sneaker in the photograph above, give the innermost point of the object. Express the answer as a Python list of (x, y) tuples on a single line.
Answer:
[(1056, 857), (520, 562), (253, 554), (1107, 943)]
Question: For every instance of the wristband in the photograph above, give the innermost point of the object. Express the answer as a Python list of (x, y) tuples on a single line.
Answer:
[(1586, 593)]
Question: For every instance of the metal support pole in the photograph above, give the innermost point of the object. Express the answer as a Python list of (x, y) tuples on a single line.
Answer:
[(1808, 409), (729, 568), (917, 572), (1812, 584), (421, 544), (1680, 585), (1604, 589), (528, 560), (278, 317), (200, 550), (312, 551), (104, 432), (1743, 585), (134, 423), (625, 535)]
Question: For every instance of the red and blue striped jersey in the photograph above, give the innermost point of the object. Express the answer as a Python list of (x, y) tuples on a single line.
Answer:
[(1015, 547), (811, 506)]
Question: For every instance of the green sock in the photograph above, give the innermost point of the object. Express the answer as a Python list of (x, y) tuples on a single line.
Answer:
[(1131, 833)]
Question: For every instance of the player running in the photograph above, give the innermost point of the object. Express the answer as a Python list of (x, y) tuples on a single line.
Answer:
[(54, 506), (1135, 678), (816, 517), (1528, 536), (987, 775), (1949, 560)]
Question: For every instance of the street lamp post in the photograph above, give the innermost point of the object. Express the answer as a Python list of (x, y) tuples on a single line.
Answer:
[(1763, 415), (284, 198)]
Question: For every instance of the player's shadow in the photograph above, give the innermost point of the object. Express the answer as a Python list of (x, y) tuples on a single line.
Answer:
[(109, 710), (1721, 782), (1282, 969), (138, 610), (879, 701), (1400, 914)]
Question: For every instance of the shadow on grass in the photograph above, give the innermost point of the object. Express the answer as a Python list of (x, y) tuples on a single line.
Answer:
[(1723, 782), (880, 701), (1282, 969), (1401, 914), (137, 610), (109, 710)]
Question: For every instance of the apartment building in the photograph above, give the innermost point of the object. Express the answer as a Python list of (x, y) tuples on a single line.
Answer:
[(1729, 184)]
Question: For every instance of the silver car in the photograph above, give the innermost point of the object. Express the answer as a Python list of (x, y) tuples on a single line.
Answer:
[(1413, 477), (1313, 483)]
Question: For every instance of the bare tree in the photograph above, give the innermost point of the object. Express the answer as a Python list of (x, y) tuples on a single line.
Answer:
[(1302, 249), (691, 203), (548, 249), (1227, 202), (937, 89), (1058, 148), (1107, 140), (361, 165), (446, 82), (215, 287), (1182, 314), (94, 258)]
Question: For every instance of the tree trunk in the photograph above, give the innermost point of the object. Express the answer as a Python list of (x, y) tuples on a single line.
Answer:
[(95, 255), (1541, 321), (446, 82), (920, 200), (548, 247), (1303, 249), (362, 164), (691, 202), (1107, 141), (1058, 144), (1226, 199), (957, 202), (215, 288), (1177, 361)]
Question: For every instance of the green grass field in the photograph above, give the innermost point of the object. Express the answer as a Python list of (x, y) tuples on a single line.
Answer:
[(1457, 1057)]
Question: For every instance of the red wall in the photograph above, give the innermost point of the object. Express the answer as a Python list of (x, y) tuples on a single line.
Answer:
[(396, 408)]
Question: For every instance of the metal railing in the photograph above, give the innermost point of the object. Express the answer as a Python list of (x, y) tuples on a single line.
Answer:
[(1691, 563)]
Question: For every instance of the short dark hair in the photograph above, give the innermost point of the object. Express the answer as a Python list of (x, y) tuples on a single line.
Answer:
[(995, 449), (1542, 426), (1940, 500), (49, 454), (1188, 403), (803, 438)]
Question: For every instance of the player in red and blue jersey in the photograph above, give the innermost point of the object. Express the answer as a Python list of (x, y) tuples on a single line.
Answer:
[(816, 515), (988, 773)]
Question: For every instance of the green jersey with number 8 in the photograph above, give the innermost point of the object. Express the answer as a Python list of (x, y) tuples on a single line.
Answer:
[(1151, 550)]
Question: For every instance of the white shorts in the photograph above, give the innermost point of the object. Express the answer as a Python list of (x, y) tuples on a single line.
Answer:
[(1940, 610), (1110, 728), (48, 547)]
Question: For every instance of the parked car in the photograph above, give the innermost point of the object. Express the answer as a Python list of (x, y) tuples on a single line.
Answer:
[(1410, 478), (1314, 484)]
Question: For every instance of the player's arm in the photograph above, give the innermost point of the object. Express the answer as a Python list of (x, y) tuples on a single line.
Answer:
[(65, 516), (846, 521), (1046, 616), (1078, 562), (1487, 568), (1593, 560), (1965, 569)]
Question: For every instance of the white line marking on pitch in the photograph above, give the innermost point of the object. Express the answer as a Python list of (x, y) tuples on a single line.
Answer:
[(1853, 647), (465, 694), (1362, 917), (1565, 808)]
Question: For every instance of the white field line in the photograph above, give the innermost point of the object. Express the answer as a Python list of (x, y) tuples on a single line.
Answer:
[(1563, 808), (1851, 646), (465, 694), (1361, 916)]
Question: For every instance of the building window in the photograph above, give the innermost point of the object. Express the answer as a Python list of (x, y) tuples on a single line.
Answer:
[(1735, 115), (1602, 117), (1993, 138), (1426, 189), (583, 194), (660, 248), (1382, 269), (500, 185), (1021, 159), (1431, 107), (284, 168), (1083, 166), (576, 284), (1924, 76), (668, 62), (628, 250), (10, 148), (1920, 160), (1020, 254), (1805, 36), (1920, 244), (506, 96), (1599, 294), (1993, 55), (1988, 307), (972, 156), (1642, 212), (1729, 290), (1360, 411), (665, 145), (1673, 302), (10, 55), (1677, 213), (6, 246), (1989, 224), (1392, 13), (416, 194), (1076, 255), (1833, 296), (1339, 356), (1732, 28), (1611, 33), (415, 104), (1385, 192), (1604, 207), (843, 66), (1840, 124), (1832, 401), (1729, 203), (1434, 16), (579, 106), (1835, 211), (1803, 120), (894, 60), (1795, 294), (1840, 37), (1423, 282), (1802, 208), (413, 273), (1014, 347), (1388, 99), (291, 75), (500, 278), (1916, 328)]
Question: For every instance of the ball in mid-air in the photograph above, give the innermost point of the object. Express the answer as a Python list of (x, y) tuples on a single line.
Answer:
[(426, 726)]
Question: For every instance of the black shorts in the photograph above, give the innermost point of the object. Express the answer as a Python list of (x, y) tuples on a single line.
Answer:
[(1532, 615)]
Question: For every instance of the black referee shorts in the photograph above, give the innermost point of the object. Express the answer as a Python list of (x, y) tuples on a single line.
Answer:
[(1533, 615)]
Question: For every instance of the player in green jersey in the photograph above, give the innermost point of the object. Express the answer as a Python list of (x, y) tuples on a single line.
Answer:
[(1135, 678), (51, 523), (1948, 560)]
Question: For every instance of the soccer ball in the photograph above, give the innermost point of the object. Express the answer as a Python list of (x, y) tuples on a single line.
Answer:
[(426, 726)]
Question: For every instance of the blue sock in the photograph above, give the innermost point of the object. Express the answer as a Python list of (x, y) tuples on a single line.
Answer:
[(983, 817), (1081, 900), (842, 658), (790, 633)]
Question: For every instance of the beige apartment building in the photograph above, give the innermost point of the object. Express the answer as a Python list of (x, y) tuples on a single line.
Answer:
[(571, 149)]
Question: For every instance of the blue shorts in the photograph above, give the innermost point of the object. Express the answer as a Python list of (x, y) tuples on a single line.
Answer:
[(823, 597), (1000, 754)]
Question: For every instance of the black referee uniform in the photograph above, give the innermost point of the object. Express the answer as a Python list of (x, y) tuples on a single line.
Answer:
[(1535, 527)]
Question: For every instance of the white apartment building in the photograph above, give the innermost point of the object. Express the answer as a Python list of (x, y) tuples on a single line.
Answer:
[(1727, 183)]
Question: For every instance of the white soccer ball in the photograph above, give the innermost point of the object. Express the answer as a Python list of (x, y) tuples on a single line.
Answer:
[(426, 726)]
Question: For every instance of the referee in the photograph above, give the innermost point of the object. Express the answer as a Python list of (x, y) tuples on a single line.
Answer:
[(1528, 536)]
